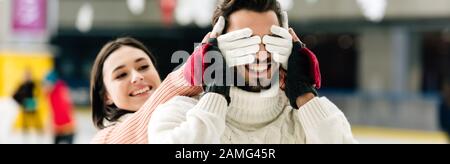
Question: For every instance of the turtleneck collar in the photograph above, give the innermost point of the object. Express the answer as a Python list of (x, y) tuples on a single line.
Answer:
[(255, 109)]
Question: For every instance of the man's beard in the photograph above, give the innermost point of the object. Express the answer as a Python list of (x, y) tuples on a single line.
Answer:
[(260, 84), (258, 88)]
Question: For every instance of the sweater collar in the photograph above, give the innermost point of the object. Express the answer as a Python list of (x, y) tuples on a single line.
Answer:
[(249, 108), (120, 120)]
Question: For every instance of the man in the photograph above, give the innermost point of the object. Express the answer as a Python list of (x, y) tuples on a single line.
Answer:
[(25, 97), (444, 109), (444, 105), (256, 41)]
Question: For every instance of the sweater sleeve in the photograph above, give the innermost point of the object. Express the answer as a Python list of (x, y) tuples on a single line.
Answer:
[(182, 122), (134, 129), (324, 123)]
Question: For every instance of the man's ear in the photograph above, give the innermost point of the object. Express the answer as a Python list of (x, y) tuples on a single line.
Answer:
[(108, 99)]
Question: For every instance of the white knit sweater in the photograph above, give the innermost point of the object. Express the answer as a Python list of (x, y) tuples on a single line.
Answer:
[(250, 119)]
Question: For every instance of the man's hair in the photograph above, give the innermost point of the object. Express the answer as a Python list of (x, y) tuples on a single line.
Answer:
[(228, 7)]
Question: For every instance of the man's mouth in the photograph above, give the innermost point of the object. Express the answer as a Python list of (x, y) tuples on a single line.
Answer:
[(258, 70), (142, 91)]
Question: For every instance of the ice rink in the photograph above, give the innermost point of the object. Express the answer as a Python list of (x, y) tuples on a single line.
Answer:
[(384, 64), (86, 130)]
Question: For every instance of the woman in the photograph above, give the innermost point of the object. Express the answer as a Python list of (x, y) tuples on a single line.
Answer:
[(126, 88)]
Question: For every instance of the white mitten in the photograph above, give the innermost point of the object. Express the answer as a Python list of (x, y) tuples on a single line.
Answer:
[(280, 45), (238, 47)]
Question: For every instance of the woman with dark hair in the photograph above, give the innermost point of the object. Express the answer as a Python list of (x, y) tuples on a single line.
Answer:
[(124, 91)]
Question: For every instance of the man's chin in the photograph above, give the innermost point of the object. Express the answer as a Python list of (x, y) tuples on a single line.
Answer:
[(258, 82), (257, 88)]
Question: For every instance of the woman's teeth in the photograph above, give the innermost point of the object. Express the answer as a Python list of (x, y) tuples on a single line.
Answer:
[(140, 91)]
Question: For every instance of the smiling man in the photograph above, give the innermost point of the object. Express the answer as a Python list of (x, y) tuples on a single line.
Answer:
[(253, 38), (261, 70)]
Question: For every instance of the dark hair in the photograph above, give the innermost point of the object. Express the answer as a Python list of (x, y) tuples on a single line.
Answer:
[(228, 7), (101, 111)]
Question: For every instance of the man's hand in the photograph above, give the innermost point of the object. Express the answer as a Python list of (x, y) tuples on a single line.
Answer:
[(303, 76), (303, 99), (280, 43)]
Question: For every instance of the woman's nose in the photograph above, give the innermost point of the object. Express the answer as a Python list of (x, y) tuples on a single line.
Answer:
[(136, 76)]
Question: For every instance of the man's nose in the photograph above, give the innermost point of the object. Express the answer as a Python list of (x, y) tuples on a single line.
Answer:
[(262, 55)]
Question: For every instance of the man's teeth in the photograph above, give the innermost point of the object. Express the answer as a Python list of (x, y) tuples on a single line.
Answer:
[(141, 91), (258, 68)]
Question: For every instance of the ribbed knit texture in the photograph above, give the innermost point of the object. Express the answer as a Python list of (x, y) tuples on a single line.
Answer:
[(214, 103), (251, 118), (254, 108)]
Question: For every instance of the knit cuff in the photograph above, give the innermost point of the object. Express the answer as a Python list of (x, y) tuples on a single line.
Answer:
[(316, 111), (213, 103)]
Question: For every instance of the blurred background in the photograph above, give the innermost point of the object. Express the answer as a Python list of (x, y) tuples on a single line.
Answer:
[(385, 63)]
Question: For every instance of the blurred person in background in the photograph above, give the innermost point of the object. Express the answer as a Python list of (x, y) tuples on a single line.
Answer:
[(126, 88), (444, 109), (444, 106), (26, 98), (62, 109)]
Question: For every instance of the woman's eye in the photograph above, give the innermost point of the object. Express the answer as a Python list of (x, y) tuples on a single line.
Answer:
[(121, 76), (145, 67)]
